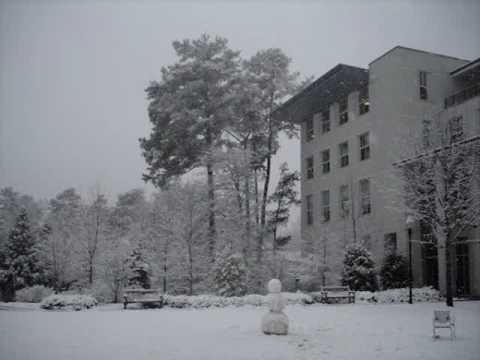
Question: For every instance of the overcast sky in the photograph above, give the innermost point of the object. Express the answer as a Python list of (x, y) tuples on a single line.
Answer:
[(73, 74)]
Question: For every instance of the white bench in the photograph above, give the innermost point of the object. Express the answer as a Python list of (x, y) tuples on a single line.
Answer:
[(143, 296), (443, 319)]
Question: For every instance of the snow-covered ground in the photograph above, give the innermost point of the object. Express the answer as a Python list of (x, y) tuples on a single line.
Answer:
[(349, 331)]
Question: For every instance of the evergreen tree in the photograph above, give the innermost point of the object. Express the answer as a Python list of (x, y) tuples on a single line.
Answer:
[(21, 259), (189, 109), (230, 275), (359, 269), (394, 272), (284, 196), (139, 269)]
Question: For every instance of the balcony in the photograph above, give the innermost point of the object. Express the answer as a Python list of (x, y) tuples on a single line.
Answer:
[(462, 96)]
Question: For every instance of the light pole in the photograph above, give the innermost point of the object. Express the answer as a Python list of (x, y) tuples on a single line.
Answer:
[(410, 220)]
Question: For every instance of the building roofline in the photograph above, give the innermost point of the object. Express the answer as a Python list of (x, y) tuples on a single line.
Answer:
[(318, 81), (416, 50), (465, 67)]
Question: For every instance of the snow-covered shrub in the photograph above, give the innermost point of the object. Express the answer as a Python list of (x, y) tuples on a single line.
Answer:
[(230, 276), (425, 294), (207, 301), (68, 302), (394, 272), (359, 269), (33, 294)]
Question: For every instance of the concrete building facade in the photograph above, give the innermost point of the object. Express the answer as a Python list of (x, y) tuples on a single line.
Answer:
[(355, 125)]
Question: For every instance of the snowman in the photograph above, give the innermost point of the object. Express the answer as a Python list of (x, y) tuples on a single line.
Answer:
[(275, 321)]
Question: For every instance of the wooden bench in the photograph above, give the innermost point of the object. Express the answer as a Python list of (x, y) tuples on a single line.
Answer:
[(329, 293), (143, 296)]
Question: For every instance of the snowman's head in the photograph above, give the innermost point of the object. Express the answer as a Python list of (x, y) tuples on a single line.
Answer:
[(274, 286)]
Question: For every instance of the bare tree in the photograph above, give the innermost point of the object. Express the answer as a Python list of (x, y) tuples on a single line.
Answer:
[(441, 188), (95, 222)]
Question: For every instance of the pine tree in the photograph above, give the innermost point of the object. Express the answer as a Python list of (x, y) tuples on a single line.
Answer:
[(359, 269), (394, 272), (21, 259), (284, 196), (230, 276), (140, 270), (189, 109)]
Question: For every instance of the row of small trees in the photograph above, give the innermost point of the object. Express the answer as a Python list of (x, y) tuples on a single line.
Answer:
[(69, 243), (359, 271)]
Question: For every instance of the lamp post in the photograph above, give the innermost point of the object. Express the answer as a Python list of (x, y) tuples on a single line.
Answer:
[(410, 220)]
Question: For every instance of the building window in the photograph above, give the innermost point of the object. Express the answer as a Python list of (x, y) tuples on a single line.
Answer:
[(325, 205), (309, 209), (343, 150), (309, 166), (455, 126), (422, 75), (390, 244), (309, 131), (364, 146), (426, 133), (326, 161), (325, 121), (343, 110), (344, 201), (363, 104), (365, 203)]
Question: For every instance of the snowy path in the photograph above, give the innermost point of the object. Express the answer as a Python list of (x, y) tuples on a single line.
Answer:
[(362, 332)]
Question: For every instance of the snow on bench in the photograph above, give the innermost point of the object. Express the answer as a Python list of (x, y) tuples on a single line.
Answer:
[(329, 293), (143, 296)]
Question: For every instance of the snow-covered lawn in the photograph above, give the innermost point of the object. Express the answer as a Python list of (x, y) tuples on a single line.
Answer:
[(349, 331)]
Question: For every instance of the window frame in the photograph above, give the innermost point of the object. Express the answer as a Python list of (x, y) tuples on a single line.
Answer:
[(363, 104), (309, 219), (325, 121), (344, 199), (310, 167), (390, 243), (423, 85), (343, 111), (426, 133), (364, 147), (309, 129), (343, 163), (325, 163), (365, 197), (325, 205)]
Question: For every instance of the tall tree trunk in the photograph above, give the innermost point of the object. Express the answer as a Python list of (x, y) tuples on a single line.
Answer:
[(90, 271), (190, 268), (269, 161), (266, 184), (267, 178), (257, 215), (212, 232), (211, 214), (448, 270), (247, 206)]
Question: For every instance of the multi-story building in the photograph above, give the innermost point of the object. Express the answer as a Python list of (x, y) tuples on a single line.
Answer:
[(355, 125)]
